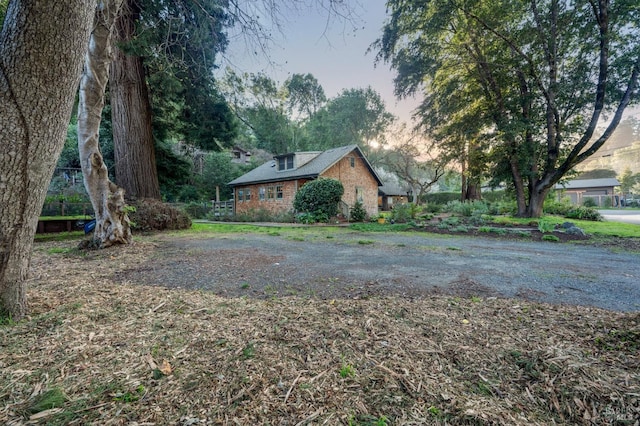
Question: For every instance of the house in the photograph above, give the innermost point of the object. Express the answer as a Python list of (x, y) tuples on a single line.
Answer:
[(273, 185), (391, 193), (240, 156), (597, 189)]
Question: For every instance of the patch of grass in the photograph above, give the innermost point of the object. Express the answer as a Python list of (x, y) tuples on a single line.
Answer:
[(549, 237), (59, 236), (131, 396), (460, 228), (376, 227), (366, 242), (297, 239), (619, 340), (244, 286), (545, 226), (604, 229), (53, 398), (248, 351), (347, 370)]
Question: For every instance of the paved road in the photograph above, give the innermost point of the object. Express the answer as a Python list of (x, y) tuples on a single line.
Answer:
[(622, 215), (404, 264)]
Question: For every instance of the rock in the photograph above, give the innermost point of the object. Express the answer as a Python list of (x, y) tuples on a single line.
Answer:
[(574, 230)]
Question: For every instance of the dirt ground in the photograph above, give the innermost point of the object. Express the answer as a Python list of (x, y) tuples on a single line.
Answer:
[(323, 328), (410, 264)]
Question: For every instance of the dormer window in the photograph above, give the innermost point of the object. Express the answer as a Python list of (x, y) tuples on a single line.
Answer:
[(285, 162)]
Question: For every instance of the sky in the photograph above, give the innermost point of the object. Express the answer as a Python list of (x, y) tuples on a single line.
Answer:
[(335, 54)]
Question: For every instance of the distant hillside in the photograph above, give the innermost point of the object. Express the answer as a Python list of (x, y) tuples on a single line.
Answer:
[(620, 152)]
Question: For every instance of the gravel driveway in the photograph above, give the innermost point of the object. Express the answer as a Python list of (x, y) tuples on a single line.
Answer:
[(357, 265)]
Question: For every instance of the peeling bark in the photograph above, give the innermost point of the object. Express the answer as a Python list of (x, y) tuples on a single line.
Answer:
[(41, 50), (112, 222)]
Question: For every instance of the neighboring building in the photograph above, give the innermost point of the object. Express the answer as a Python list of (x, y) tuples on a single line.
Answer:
[(273, 185), (240, 156), (597, 189), (390, 194)]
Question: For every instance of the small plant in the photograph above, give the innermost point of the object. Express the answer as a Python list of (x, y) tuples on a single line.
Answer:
[(434, 411), (550, 237), (133, 396), (347, 370), (365, 242), (248, 351), (52, 398), (545, 226), (244, 286), (358, 213)]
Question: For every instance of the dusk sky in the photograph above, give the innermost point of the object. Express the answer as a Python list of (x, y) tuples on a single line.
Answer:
[(336, 57)]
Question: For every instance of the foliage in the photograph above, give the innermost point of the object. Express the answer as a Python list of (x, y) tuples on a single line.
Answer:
[(537, 76), (441, 197), (197, 210), (404, 212), (258, 215), (545, 226), (358, 213), (589, 202), (355, 116), (467, 208), (153, 215), (584, 213), (320, 197), (628, 180)]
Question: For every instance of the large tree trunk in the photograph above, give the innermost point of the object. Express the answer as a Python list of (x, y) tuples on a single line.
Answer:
[(112, 222), (41, 49), (135, 159)]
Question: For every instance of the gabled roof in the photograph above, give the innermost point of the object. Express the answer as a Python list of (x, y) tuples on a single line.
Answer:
[(392, 188), (589, 183), (321, 162)]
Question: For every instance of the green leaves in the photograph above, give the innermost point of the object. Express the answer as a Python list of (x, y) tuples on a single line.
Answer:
[(320, 197)]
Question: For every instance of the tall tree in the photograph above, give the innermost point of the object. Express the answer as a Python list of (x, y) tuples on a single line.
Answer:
[(355, 116), (174, 44), (409, 160), (305, 95), (37, 90), (544, 72), (135, 160), (112, 222)]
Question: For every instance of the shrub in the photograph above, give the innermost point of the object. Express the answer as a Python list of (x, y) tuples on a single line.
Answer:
[(558, 208), (401, 213), (584, 213), (320, 197), (545, 226), (441, 197), (358, 213), (589, 202), (153, 215), (467, 209), (196, 210)]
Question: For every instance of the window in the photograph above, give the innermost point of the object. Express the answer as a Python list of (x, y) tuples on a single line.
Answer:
[(261, 193), (270, 192), (352, 161), (285, 162), (247, 195), (359, 194), (240, 195), (279, 193)]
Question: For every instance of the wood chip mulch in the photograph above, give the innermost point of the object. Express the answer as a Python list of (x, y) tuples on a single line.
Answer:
[(97, 351)]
